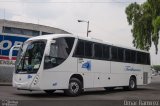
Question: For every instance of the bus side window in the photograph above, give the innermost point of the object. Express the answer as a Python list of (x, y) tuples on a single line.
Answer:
[(70, 42), (88, 49), (114, 53), (143, 58), (133, 56), (98, 51), (139, 58), (148, 59), (120, 54), (106, 52), (79, 49), (127, 56)]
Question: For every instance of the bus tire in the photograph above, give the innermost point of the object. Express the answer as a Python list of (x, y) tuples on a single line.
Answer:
[(132, 84), (75, 87), (50, 92)]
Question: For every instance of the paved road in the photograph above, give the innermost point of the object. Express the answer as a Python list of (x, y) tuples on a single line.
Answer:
[(92, 97)]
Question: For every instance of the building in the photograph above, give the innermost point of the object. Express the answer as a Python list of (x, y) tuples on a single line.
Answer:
[(13, 32)]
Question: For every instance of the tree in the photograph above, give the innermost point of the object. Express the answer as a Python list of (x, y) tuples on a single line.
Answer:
[(156, 67), (145, 21)]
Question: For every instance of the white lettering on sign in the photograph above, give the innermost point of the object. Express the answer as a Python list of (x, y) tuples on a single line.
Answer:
[(18, 43), (9, 44), (7, 62)]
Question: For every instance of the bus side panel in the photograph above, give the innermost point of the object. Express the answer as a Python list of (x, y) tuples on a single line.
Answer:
[(119, 76), (101, 70), (59, 76), (138, 73), (54, 80), (121, 73)]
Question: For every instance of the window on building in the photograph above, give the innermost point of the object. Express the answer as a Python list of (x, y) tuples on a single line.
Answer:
[(46, 33), (20, 31)]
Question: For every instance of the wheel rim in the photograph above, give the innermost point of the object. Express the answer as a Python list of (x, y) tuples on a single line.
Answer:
[(74, 87), (132, 84)]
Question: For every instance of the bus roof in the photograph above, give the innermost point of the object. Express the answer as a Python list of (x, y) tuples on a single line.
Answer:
[(52, 36)]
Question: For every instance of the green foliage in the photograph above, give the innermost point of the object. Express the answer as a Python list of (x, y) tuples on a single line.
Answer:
[(156, 67), (145, 21)]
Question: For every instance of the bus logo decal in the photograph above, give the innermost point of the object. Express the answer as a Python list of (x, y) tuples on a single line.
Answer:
[(55, 84), (87, 65), (129, 68), (29, 76)]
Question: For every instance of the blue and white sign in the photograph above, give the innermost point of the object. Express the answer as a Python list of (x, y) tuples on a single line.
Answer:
[(87, 65), (6, 42)]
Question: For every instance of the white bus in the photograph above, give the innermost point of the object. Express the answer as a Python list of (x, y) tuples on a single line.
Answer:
[(73, 63)]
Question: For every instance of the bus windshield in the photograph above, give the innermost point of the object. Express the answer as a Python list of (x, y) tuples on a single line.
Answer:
[(30, 56)]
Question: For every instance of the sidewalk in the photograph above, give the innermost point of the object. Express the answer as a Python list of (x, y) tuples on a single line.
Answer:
[(5, 84)]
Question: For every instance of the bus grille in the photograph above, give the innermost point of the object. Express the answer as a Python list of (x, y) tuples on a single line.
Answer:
[(145, 77)]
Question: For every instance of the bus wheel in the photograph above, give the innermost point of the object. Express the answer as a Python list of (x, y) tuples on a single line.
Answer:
[(132, 84), (50, 92), (75, 87)]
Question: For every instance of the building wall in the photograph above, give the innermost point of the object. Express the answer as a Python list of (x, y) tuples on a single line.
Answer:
[(31, 26), (6, 73)]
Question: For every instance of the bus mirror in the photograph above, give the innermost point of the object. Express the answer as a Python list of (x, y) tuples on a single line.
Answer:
[(15, 47)]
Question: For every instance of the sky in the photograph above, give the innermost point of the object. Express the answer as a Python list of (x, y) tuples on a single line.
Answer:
[(107, 18)]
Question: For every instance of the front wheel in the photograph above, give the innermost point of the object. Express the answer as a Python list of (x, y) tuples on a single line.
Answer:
[(75, 87)]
